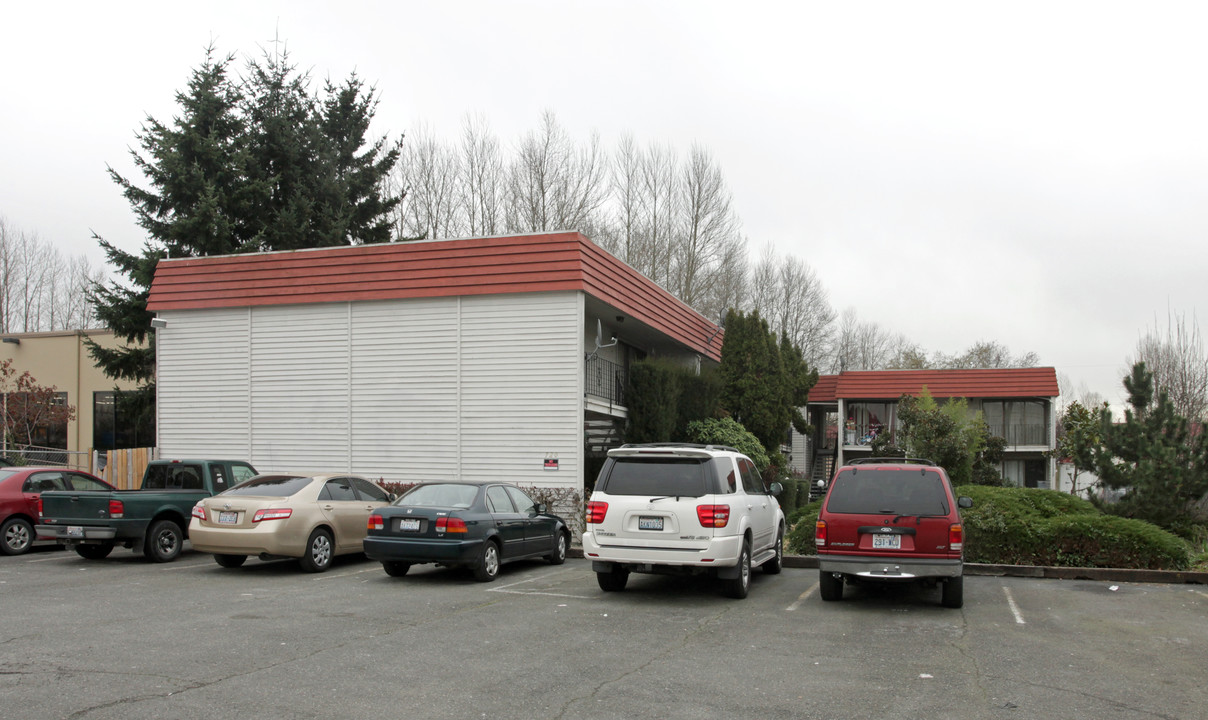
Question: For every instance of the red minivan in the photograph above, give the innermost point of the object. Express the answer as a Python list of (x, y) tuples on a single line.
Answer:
[(891, 520), (20, 489)]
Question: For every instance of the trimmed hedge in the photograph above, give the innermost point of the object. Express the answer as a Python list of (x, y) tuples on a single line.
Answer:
[(1023, 526)]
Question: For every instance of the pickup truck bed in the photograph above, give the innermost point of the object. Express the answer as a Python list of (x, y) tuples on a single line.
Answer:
[(154, 518)]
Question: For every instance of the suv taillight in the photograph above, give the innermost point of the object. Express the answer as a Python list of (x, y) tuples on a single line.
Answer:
[(39, 506), (820, 533), (713, 516), (375, 522), (116, 509), (956, 537), (596, 511)]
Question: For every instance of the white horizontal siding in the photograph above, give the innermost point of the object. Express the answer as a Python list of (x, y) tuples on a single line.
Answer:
[(404, 390), (299, 387), (521, 396), (203, 384)]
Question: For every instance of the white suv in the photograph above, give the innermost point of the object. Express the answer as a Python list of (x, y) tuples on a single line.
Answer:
[(682, 509)]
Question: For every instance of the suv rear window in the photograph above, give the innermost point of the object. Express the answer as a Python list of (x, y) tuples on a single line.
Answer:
[(888, 492), (675, 476)]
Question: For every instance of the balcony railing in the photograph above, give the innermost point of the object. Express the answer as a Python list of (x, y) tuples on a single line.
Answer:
[(606, 380), (1021, 434)]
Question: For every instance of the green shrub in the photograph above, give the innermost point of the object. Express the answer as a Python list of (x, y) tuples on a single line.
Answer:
[(801, 522), (788, 496), (1023, 526), (727, 431)]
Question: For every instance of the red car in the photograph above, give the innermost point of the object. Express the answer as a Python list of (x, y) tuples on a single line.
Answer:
[(20, 488)]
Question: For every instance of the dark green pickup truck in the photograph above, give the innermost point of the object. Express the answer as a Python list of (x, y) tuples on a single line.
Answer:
[(154, 518)]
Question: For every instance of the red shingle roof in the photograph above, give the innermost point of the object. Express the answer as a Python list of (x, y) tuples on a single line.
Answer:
[(545, 262), (892, 384)]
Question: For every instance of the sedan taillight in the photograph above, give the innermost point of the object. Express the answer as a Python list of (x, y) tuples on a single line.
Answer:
[(596, 511), (451, 524), (713, 516), (199, 512), (116, 509), (820, 533), (956, 537), (272, 514), (375, 522)]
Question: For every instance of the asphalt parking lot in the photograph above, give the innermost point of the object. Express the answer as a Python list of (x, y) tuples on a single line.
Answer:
[(126, 638)]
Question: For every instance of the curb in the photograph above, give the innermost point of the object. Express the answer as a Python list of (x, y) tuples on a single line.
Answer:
[(1055, 573)]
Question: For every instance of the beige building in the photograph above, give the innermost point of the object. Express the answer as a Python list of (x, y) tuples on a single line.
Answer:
[(61, 359)]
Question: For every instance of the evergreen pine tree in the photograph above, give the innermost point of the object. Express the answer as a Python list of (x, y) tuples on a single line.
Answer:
[(1152, 456), (247, 165)]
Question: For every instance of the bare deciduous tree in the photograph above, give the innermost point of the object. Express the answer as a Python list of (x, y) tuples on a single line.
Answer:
[(552, 184), (429, 170), (483, 179), (706, 227), (40, 289), (1178, 363)]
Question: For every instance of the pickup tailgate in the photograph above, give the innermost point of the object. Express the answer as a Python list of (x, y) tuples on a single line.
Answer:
[(76, 507)]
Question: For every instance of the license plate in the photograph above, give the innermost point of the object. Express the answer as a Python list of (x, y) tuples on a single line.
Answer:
[(887, 542), (75, 531), (228, 518), (408, 525), (650, 523)]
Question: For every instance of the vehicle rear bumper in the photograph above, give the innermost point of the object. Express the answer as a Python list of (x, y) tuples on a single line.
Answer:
[(63, 533), (422, 550), (720, 552), (270, 540), (890, 568)]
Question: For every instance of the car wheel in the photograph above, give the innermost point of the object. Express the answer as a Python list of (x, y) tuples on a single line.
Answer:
[(230, 561), (18, 535), (954, 592), (738, 587), (163, 541), (394, 568), (829, 586), (487, 567), (94, 551), (317, 557), (613, 580), (773, 566), (558, 556)]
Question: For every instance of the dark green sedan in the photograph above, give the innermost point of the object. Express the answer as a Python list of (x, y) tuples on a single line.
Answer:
[(480, 526)]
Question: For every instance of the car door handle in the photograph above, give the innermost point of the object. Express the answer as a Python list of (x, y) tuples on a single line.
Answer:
[(327, 507)]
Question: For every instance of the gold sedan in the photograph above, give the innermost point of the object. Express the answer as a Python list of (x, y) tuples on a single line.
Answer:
[(312, 518)]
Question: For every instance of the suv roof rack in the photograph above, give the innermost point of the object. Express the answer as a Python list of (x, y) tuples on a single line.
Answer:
[(890, 460), (698, 446)]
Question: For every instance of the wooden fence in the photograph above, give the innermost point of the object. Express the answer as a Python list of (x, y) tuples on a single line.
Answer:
[(124, 468)]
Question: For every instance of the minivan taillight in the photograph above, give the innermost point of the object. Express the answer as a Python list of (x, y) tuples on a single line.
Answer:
[(820, 533), (116, 509), (596, 511), (375, 522), (956, 537), (713, 516)]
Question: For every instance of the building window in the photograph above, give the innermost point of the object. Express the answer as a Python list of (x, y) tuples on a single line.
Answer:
[(867, 420), (1019, 422), (120, 424), (1026, 473)]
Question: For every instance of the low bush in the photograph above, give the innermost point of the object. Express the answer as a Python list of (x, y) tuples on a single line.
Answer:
[(1023, 526), (801, 522)]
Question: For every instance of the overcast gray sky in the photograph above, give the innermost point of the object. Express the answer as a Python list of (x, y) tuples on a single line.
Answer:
[(1034, 173)]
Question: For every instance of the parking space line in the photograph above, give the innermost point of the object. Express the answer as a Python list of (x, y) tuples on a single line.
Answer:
[(801, 598), (325, 576), (72, 556), (506, 589), (182, 566), (1014, 608)]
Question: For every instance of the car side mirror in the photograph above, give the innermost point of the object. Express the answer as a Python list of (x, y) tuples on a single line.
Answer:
[(540, 508), (965, 502), (777, 488), (391, 497)]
